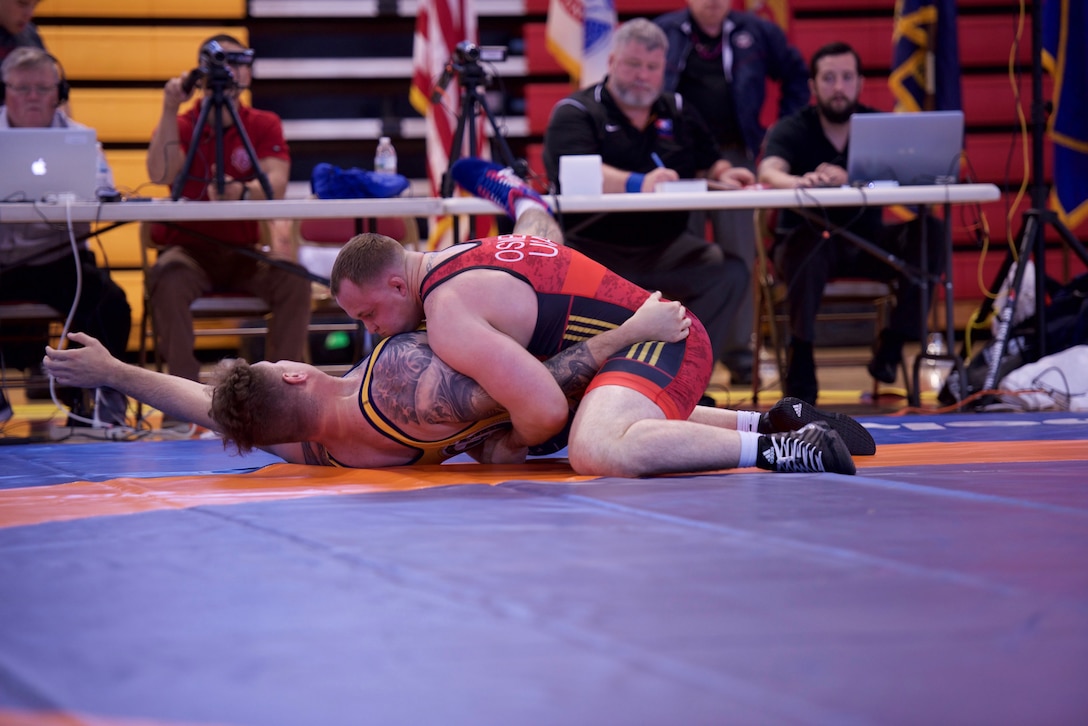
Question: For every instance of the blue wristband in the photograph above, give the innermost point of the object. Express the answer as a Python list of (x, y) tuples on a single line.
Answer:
[(634, 183)]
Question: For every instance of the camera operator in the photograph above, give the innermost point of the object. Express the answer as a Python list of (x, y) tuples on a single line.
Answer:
[(190, 266)]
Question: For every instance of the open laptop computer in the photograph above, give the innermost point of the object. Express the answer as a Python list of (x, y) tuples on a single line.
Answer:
[(40, 164), (905, 148)]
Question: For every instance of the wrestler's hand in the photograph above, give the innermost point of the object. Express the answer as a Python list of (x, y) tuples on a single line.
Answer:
[(503, 448), (86, 367), (657, 319)]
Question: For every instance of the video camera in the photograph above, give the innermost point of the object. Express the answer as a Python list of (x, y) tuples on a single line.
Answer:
[(215, 62), (467, 52), (465, 62)]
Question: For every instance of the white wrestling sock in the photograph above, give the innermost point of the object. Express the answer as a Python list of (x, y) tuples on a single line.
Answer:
[(749, 448), (748, 420), (521, 206)]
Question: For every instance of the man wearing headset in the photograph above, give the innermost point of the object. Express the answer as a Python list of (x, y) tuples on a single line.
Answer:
[(36, 260), (190, 265)]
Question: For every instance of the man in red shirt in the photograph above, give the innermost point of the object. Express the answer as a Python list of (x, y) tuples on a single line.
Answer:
[(191, 266)]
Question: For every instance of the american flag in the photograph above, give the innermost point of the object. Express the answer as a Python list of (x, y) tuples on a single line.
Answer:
[(440, 26)]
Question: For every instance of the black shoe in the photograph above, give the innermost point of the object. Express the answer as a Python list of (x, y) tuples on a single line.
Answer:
[(111, 407), (37, 388), (791, 414), (79, 410), (813, 448), (739, 364), (740, 376), (887, 357), (801, 372)]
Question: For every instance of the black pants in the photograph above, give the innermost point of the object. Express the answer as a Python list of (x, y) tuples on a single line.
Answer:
[(806, 262), (103, 309)]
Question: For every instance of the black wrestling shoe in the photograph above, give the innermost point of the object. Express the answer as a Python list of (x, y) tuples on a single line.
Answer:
[(790, 414), (813, 448)]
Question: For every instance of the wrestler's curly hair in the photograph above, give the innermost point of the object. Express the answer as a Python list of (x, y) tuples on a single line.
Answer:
[(363, 258), (247, 407)]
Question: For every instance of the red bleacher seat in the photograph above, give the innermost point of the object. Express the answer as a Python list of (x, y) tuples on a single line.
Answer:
[(998, 158), (644, 8), (537, 57), (540, 98), (870, 37)]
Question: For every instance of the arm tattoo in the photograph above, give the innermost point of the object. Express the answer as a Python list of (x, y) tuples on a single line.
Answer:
[(572, 369), (414, 386)]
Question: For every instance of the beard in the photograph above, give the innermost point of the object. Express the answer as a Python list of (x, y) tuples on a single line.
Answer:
[(835, 115), (635, 96)]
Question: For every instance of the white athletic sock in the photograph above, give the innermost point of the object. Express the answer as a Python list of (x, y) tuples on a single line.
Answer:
[(749, 448), (748, 420), (524, 204)]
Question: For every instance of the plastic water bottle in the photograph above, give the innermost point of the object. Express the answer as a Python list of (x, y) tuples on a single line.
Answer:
[(385, 157)]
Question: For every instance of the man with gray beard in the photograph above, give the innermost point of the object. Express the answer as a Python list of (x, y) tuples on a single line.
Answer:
[(644, 137)]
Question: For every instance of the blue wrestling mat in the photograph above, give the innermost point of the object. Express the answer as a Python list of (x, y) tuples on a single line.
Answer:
[(172, 584)]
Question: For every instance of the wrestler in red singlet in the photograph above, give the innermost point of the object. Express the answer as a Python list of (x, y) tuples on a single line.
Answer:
[(578, 298)]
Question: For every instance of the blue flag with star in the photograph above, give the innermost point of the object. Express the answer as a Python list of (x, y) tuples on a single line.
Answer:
[(1065, 56), (925, 56)]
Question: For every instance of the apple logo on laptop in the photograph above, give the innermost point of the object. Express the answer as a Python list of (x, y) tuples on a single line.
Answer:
[(37, 168)]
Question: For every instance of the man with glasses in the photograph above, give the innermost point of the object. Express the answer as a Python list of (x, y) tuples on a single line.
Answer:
[(190, 264), (36, 260)]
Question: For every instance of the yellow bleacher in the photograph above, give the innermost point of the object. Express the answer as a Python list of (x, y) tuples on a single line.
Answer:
[(143, 9), (145, 53)]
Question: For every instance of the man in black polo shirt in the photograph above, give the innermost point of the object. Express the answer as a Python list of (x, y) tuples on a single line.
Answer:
[(646, 137)]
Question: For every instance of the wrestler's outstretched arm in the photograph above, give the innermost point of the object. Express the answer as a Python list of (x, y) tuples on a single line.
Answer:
[(92, 366)]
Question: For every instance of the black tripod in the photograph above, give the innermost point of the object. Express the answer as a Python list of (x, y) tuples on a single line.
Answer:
[(219, 79), (1032, 242), (465, 64)]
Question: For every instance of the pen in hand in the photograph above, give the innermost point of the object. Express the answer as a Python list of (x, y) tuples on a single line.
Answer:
[(657, 160)]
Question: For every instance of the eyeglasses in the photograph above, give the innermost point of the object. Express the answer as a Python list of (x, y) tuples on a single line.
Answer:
[(26, 90)]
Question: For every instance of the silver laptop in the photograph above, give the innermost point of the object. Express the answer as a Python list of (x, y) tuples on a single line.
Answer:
[(905, 148), (39, 164)]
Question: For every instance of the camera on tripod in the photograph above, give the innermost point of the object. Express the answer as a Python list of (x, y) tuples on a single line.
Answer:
[(215, 63), (467, 52), (465, 63)]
